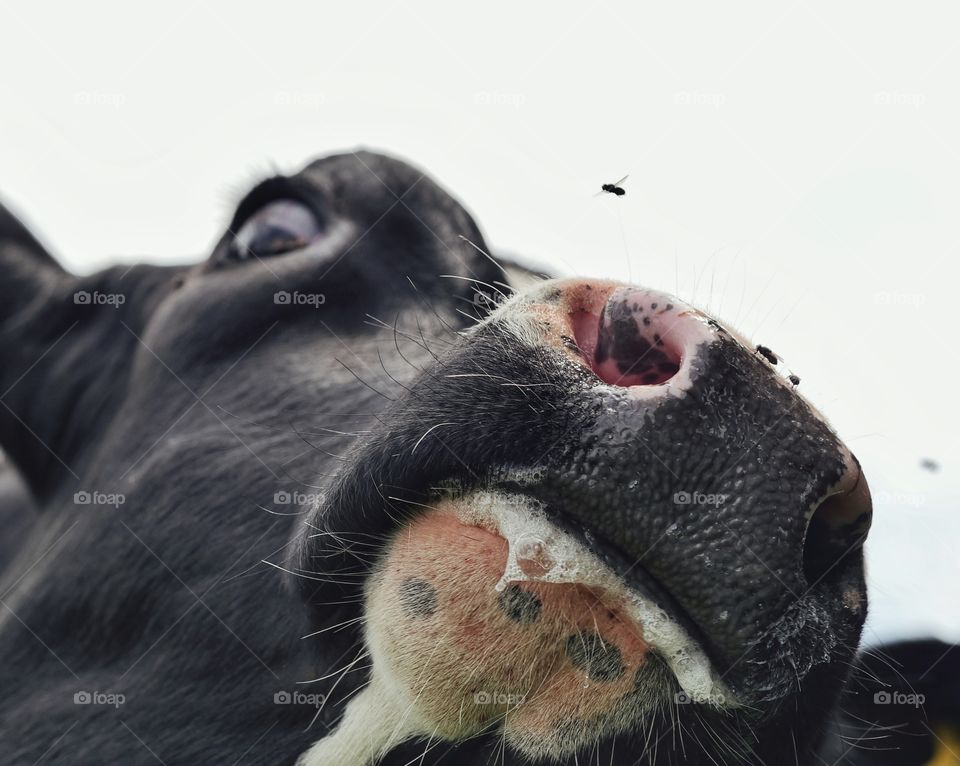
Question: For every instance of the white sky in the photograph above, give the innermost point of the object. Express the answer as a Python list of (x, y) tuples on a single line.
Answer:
[(793, 167)]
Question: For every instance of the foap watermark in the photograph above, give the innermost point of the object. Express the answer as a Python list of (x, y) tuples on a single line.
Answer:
[(898, 499), (886, 298), (899, 698), (96, 298), (297, 498), (98, 98), (893, 98), (300, 99), (683, 698), (496, 98), (698, 498), (83, 497), (296, 298), (484, 300), (299, 698), (692, 98), (498, 698), (112, 699)]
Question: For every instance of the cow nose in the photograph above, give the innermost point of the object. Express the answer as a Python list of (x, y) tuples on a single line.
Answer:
[(637, 336), (838, 524)]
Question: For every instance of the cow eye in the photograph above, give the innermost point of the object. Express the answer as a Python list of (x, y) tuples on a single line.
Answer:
[(278, 227)]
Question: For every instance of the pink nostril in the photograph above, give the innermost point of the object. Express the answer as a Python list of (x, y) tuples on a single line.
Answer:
[(635, 341)]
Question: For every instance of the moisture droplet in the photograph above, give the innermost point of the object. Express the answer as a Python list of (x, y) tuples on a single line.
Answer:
[(533, 558)]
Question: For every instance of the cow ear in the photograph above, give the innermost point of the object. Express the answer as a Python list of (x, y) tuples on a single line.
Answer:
[(29, 272), (34, 318)]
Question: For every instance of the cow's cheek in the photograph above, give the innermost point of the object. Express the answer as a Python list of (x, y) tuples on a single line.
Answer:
[(538, 656)]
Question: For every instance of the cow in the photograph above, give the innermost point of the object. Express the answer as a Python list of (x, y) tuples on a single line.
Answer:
[(353, 491)]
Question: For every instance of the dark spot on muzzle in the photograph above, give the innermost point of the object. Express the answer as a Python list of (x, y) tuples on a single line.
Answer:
[(418, 597), (600, 660), (520, 605)]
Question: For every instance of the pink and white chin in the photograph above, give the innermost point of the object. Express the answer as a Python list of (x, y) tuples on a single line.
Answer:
[(482, 614)]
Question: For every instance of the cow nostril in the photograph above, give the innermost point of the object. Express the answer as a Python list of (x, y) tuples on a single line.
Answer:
[(837, 528), (635, 341)]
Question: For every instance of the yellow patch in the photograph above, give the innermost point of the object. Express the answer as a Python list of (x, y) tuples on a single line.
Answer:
[(947, 748)]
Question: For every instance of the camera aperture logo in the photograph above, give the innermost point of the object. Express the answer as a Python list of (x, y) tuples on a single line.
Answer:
[(299, 698), (698, 498), (112, 699), (899, 698), (83, 497), (96, 298), (297, 298), (498, 698)]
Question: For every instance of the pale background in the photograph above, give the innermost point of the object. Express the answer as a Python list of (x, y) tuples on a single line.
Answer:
[(793, 167)]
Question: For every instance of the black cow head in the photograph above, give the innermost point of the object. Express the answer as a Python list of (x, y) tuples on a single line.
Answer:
[(345, 492)]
